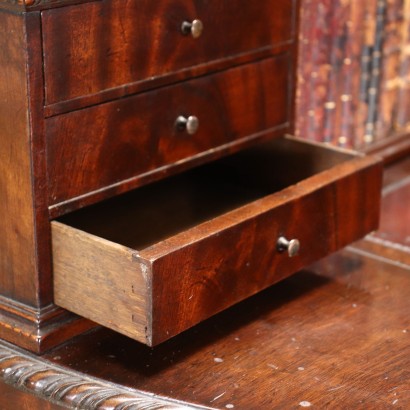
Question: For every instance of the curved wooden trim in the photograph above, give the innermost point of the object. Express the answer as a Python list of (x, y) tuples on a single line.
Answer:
[(72, 389), (38, 329)]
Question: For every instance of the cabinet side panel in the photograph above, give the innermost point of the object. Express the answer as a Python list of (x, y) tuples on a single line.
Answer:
[(17, 245)]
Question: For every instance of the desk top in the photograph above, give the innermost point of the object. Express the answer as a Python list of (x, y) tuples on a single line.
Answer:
[(334, 335), (338, 332)]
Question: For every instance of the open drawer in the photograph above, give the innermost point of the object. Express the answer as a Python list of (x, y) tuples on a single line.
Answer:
[(158, 260)]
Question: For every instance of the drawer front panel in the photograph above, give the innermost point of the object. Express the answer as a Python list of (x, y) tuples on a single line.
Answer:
[(235, 261), (191, 275), (116, 141), (102, 45)]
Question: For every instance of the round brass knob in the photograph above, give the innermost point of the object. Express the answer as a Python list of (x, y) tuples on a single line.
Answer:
[(194, 28), (189, 124), (292, 246)]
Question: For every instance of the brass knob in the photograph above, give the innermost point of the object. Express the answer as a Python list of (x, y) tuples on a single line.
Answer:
[(194, 28), (189, 124), (292, 246)]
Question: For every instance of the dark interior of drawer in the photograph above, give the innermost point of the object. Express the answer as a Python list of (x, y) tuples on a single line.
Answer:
[(155, 212)]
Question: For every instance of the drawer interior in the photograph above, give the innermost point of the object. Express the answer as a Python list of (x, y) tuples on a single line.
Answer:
[(155, 212), (175, 252)]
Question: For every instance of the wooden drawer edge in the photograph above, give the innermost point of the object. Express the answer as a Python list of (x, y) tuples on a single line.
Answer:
[(139, 293), (277, 199), (103, 266)]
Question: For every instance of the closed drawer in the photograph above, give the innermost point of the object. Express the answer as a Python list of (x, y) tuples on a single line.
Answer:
[(136, 136), (101, 45), (159, 260)]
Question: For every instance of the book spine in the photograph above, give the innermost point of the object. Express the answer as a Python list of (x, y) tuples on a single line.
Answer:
[(354, 70), (367, 23), (390, 78), (304, 67), (336, 82), (349, 77), (375, 77), (314, 67), (403, 110)]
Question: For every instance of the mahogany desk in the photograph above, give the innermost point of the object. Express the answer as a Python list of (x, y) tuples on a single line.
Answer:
[(97, 101), (336, 335)]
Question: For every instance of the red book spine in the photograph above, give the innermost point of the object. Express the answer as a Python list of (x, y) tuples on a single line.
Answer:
[(389, 78), (403, 106)]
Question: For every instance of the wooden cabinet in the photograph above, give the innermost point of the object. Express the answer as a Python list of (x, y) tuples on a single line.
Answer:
[(147, 149), (138, 136), (101, 45)]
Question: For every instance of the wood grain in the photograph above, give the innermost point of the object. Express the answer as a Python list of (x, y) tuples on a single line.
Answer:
[(11, 398), (133, 138), (27, 314), (335, 335), (393, 235), (40, 385), (17, 240), (219, 246), (100, 279), (31, 5), (103, 45)]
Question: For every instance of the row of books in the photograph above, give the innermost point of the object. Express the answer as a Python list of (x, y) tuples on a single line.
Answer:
[(353, 71)]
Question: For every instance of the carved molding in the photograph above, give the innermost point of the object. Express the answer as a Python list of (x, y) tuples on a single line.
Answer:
[(38, 329), (72, 389)]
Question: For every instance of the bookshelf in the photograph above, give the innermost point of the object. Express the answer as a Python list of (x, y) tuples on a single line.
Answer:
[(354, 73)]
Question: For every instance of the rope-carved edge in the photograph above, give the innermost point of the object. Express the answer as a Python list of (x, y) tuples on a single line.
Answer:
[(72, 389)]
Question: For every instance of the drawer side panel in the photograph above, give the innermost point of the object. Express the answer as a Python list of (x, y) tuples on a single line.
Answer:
[(101, 281)]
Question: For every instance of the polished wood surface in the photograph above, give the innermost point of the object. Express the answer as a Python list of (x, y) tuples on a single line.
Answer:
[(33, 5), (27, 316), (17, 239), (396, 205), (336, 335), (33, 32), (391, 149), (333, 336), (20, 280), (30, 383), (23, 400), (192, 246), (103, 45), (129, 140), (392, 238)]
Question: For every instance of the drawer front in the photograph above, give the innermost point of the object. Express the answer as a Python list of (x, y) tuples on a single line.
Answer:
[(101, 45), (132, 137), (161, 289)]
